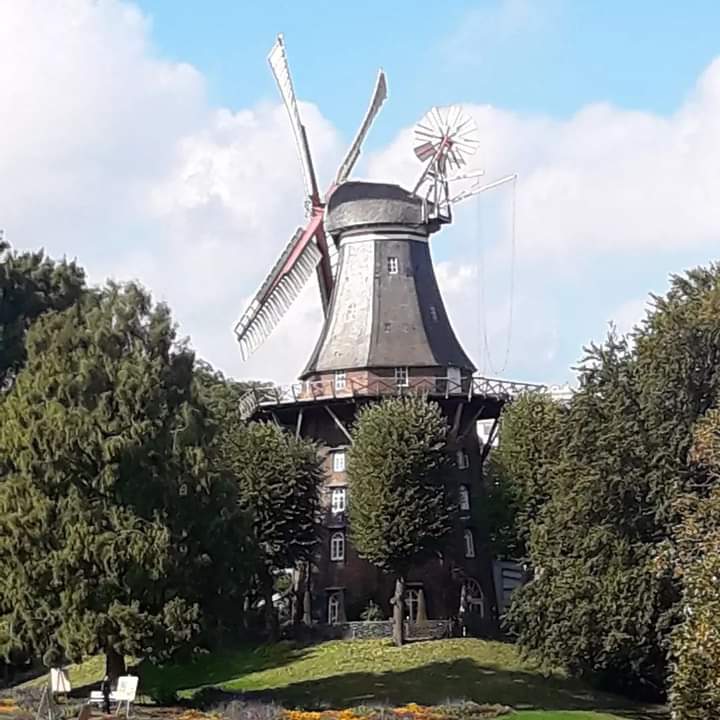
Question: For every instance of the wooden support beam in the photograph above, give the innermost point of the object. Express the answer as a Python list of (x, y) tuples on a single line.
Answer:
[(488, 444), (472, 421), (338, 422), (298, 425), (456, 422), (275, 419)]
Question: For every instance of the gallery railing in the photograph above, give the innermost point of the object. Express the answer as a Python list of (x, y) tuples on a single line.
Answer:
[(328, 389)]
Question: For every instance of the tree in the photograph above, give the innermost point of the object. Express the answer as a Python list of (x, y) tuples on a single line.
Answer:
[(278, 478), (399, 513), (30, 285), (602, 602), (695, 679), (115, 536), (520, 471)]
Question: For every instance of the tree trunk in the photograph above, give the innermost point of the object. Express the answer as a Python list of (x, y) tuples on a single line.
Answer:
[(398, 602), (271, 622), (114, 665), (307, 597)]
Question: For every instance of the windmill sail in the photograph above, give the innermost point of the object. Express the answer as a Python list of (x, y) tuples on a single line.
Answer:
[(281, 70), (378, 98), (276, 294)]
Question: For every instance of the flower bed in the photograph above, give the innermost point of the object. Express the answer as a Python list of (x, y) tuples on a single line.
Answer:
[(260, 711)]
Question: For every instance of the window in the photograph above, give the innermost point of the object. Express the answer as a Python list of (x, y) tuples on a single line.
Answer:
[(337, 547), (464, 497), (463, 461), (412, 603), (340, 379), (433, 313), (393, 265), (338, 501), (401, 377), (339, 461), (333, 609), (475, 598), (469, 544)]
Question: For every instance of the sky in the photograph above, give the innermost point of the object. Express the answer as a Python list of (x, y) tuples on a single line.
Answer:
[(146, 139)]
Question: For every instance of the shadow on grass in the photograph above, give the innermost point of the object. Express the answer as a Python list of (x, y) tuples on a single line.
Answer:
[(439, 682), (162, 682)]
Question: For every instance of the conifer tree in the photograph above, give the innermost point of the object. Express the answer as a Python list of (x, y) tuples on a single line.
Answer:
[(399, 509), (115, 536), (603, 601), (30, 285)]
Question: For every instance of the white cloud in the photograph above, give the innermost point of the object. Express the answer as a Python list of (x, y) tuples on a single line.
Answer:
[(628, 315), (605, 181), (113, 154), (599, 193)]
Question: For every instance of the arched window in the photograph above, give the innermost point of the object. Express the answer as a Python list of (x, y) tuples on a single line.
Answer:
[(412, 603), (464, 497), (475, 598), (337, 546), (469, 544), (333, 609)]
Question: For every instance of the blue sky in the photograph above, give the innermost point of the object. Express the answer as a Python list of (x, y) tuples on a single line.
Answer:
[(147, 140), (542, 57)]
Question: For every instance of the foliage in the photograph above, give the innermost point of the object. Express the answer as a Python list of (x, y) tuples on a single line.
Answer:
[(114, 534), (30, 285), (601, 601), (277, 477), (520, 470), (372, 612), (695, 682), (400, 512), (220, 396)]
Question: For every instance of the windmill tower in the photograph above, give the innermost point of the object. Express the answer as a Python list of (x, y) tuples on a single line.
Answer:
[(385, 332)]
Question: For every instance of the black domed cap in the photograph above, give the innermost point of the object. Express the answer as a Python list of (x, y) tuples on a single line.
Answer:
[(356, 204)]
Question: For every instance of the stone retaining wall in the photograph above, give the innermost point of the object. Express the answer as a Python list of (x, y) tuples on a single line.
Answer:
[(365, 630)]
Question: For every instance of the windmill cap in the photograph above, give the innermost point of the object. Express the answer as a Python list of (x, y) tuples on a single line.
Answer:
[(356, 204)]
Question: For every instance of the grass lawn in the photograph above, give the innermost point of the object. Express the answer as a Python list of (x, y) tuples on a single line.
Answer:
[(344, 674)]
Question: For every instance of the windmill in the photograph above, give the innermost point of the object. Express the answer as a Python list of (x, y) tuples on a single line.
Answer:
[(385, 332), (308, 247), (445, 138)]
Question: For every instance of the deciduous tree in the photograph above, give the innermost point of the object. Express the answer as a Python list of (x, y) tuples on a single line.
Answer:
[(695, 679), (399, 509), (278, 478), (520, 473)]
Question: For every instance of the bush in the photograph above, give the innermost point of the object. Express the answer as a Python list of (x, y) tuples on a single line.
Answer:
[(372, 612)]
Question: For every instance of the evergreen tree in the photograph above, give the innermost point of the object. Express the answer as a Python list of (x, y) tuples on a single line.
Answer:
[(602, 601), (399, 511), (278, 479), (115, 537), (30, 285)]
